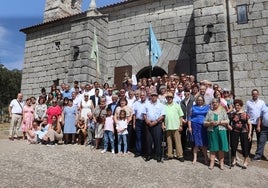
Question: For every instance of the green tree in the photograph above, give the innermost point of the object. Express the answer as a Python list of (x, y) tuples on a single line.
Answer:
[(10, 84)]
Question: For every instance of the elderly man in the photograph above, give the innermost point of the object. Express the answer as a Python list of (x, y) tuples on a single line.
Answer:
[(253, 108), (139, 124), (173, 126), (263, 127), (153, 115), (15, 111)]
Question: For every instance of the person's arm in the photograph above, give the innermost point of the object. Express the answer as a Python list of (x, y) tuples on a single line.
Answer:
[(44, 114), (250, 128), (190, 126), (62, 118), (259, 121), (134, 121), (58, 127)]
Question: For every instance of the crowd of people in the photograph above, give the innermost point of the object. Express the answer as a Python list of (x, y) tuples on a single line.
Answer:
[(141, 118)]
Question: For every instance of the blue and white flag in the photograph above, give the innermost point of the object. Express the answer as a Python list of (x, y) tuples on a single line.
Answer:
[(154, 47)]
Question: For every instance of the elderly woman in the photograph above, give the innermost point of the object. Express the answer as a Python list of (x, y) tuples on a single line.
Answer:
[(86, 106), (40, 109), (216, 122), (99, 115), (196, 126), (241, 129)]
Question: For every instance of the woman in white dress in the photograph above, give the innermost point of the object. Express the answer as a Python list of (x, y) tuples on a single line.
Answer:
[(86, 106)]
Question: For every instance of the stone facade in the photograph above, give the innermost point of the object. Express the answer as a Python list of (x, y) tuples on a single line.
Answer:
[(200, 37)]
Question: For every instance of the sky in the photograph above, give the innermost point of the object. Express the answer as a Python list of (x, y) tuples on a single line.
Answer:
[(18, 14)]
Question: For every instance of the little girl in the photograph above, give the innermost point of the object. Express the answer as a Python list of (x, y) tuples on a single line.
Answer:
[(108, 131), (121, 128), (90, 129)]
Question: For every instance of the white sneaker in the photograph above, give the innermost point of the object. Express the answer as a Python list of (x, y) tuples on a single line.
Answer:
[(112, 151), (103, 151)]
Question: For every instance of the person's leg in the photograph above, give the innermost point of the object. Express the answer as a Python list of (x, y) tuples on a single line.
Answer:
[(221, 159), (73, 138), (111, 138), (125, 143), (17, 125), (157, 138), (89, 136), (254, 128), (130, 137), (119, 143), (169, 145), (244, 146), (263, 139), (195, 149), (176, 135), (183, 136), (138, 131), (105, 141), (212, 160), (234, 144), (12, 125), (149, 142), (204, 150)]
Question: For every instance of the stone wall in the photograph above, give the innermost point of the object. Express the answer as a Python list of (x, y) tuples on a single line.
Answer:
[(212, 57), (250, 48), (173, 26), (46, 62)]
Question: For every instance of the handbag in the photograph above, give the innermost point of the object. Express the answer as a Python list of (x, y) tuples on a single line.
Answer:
[(189, 136)]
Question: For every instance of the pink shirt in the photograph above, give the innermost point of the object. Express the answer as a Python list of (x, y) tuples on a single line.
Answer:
[(53, 111), (109, 124)]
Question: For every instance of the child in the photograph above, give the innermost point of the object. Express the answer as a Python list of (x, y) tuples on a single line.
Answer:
[(121, 128), (90, 129), (81, 131), (108, 131)]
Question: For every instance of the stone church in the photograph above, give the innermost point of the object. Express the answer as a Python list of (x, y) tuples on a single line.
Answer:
[(224, 41)]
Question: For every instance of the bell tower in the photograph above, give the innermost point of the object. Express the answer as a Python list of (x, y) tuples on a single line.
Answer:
[(56, 9)]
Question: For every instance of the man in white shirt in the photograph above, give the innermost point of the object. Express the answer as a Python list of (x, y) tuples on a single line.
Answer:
[(15, 111), (253, 108)]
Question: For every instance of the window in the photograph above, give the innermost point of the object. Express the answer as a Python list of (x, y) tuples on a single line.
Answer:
[(242, 14)]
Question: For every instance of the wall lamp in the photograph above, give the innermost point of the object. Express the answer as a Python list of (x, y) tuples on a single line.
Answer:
[(210, 29)]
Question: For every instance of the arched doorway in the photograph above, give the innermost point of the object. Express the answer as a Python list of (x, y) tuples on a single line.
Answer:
[(146, 72)]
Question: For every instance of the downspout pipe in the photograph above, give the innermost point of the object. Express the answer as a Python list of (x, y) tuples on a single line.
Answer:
[(230, 46)]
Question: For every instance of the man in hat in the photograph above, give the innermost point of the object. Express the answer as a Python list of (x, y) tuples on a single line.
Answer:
[(173, 126), (153, 115)]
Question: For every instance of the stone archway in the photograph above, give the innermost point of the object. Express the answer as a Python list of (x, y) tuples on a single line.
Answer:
[(146, 72)]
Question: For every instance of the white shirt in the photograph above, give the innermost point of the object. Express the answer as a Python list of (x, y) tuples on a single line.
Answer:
[(16, 106), (253, 108)]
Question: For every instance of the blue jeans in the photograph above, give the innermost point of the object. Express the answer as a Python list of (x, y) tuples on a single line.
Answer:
[(124, 138), (262, 141), (108, 135)]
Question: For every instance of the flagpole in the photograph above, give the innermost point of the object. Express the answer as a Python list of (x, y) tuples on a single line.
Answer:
[(150, 65)]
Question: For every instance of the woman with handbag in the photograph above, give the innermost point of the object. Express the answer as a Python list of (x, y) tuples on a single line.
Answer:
[(196, 127)]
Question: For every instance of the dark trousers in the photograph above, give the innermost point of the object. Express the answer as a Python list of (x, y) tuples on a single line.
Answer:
[(153, 140), (140, 136), (263, 140), (235, 136), (184, 137), (130, 137), (254, 127)]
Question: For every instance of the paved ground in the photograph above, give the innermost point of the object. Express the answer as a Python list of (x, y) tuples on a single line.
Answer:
[(24, 165)]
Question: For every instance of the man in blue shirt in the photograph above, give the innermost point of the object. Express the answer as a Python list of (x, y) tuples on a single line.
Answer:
[(263, 127), (153, 115), (139, 123)]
